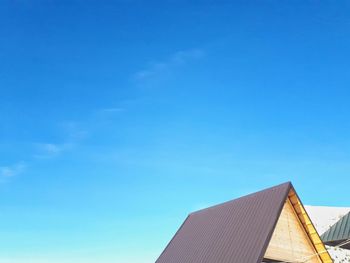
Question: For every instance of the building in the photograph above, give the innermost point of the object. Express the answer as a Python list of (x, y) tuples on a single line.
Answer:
[(338, 235), (332, 223), (268, 226)]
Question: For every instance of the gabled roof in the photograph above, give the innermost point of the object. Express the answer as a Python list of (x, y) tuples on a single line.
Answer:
[(338, 233), (324, 217), (237, 231)]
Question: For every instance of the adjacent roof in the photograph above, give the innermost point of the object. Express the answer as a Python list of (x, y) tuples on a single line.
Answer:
[(324, 217), (338, 233), (237, 231)]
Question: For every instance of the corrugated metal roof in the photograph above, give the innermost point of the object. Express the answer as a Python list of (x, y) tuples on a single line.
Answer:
[(237, 231), (338, 233)]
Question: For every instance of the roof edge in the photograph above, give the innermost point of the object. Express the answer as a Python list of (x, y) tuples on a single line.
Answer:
[(280, 208), (183, 223), (244, 196)]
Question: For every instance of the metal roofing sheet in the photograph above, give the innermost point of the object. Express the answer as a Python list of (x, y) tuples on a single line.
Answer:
[(338, 233), (237, 231)]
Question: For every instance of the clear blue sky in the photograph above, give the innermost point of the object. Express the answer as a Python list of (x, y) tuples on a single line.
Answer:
[(118, 118)]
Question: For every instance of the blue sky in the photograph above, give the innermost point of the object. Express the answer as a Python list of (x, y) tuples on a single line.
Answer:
[(118, 118)]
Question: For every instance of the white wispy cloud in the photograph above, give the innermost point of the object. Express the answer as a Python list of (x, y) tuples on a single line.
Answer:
[(47, 150), (176, 59), (73, 130), (12, 170), (51, 148)]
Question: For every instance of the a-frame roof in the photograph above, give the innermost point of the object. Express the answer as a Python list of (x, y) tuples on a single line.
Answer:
[(237, 231), (339, 233)]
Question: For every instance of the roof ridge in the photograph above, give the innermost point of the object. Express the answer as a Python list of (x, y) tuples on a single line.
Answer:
[(288, 183), (226, 231), (333, 233)]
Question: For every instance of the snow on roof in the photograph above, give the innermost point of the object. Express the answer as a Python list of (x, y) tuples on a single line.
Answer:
[(323, 217)]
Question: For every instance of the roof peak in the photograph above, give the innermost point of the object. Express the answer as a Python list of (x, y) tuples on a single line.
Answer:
[(288, 185)]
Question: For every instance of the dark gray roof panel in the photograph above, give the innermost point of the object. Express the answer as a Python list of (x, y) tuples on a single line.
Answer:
[(237, 231), (338, 233)]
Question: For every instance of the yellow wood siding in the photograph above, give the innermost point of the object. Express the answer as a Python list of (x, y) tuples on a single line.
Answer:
[(289, 241), (309, 227)]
